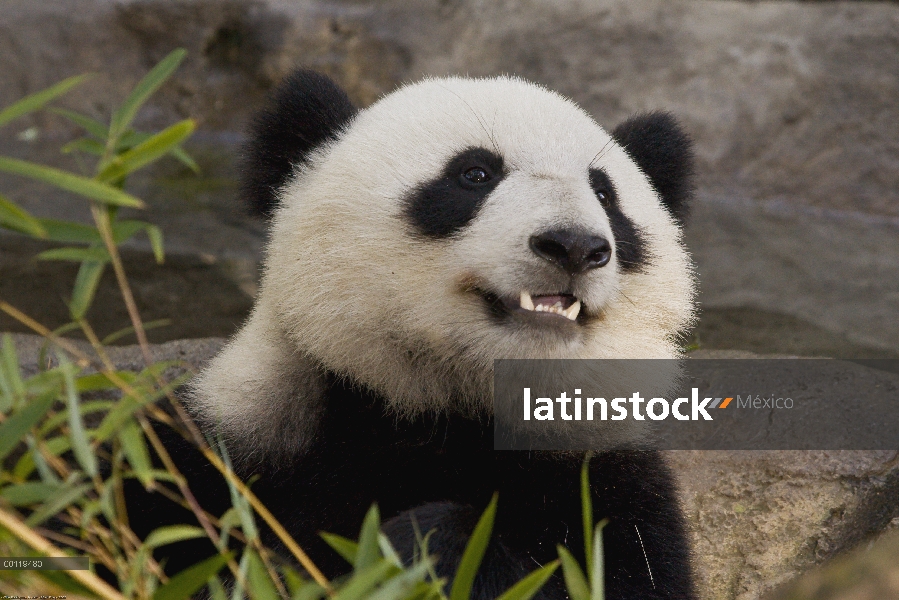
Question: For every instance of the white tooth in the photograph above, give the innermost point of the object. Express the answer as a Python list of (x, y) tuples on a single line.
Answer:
[(558, 304), (573, 310), (540, 308), (526, 302)]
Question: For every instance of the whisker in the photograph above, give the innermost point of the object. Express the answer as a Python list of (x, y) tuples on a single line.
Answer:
[(601, 152), (480, 120)]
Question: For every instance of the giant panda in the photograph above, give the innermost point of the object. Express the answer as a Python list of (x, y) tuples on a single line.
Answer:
[(453, 222)]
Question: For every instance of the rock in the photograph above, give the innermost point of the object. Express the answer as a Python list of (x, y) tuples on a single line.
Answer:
[(784, 277), (792, 106), (186, 297), (193, 352), (786, 100), (759, 518), (871, 573)]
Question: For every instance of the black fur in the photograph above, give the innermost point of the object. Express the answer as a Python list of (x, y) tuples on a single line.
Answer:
[(444, 205), (665, 153), (444, 471), (630, 246), (307, 110)]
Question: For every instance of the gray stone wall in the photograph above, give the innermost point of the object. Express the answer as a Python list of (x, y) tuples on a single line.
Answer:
[(793, 107)]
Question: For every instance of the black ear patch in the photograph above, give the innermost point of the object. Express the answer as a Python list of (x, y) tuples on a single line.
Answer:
[(306, 110), (665, 153)]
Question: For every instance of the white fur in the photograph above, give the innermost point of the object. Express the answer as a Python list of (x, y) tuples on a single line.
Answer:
[(349, 287)]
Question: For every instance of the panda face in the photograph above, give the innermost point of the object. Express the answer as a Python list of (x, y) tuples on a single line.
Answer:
[(459, 221)]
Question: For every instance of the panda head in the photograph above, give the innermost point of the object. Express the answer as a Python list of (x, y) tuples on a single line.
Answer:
[(457, 221)]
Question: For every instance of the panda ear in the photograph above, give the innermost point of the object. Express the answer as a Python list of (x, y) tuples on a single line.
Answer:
[(664, 152), (306, 110)]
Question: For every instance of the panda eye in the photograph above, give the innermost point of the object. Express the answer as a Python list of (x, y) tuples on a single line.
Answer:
[(476, 175), (603, 198)]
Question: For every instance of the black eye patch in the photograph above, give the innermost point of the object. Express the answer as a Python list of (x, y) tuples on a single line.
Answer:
[(630, 246), (444, 205)]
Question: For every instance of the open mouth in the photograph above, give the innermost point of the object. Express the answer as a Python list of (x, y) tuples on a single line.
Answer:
[(552, 307), (565, 305)]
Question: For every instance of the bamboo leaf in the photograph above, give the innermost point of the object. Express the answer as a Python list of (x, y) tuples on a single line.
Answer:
[(37, 100), (47, 382), (309, 591), (13, 430), (80, 446), (260, 583), (92, 126), (190, 580), (344, 547), (8, 398), (117, 335), (362, 582), (398, 587), (292, 580), (89, 188), (131, 138), (597, 573), (587, 511), (66, 497), (154, 234), (239, 501), (16, 218), (135, 447), (122, 118), (62, 416), (574, 576), (216, 589), (76, 254), (30, 492), (122, 411), (71, 232), (86, 145), (473, 554), (531, 584), (11, 382), (171, 534), (96, 382), (107, 503), (34, 459), (186, 159), (368, 552), (147, 151), (430, 590), (124, 230), (86, 283), (238, 591), (388, 551), (227, 522)]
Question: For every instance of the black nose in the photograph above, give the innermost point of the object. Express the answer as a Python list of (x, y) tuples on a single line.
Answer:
[(574, 251)]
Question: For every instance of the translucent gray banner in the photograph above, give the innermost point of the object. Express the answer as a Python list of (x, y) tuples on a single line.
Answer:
[(697, 404)]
